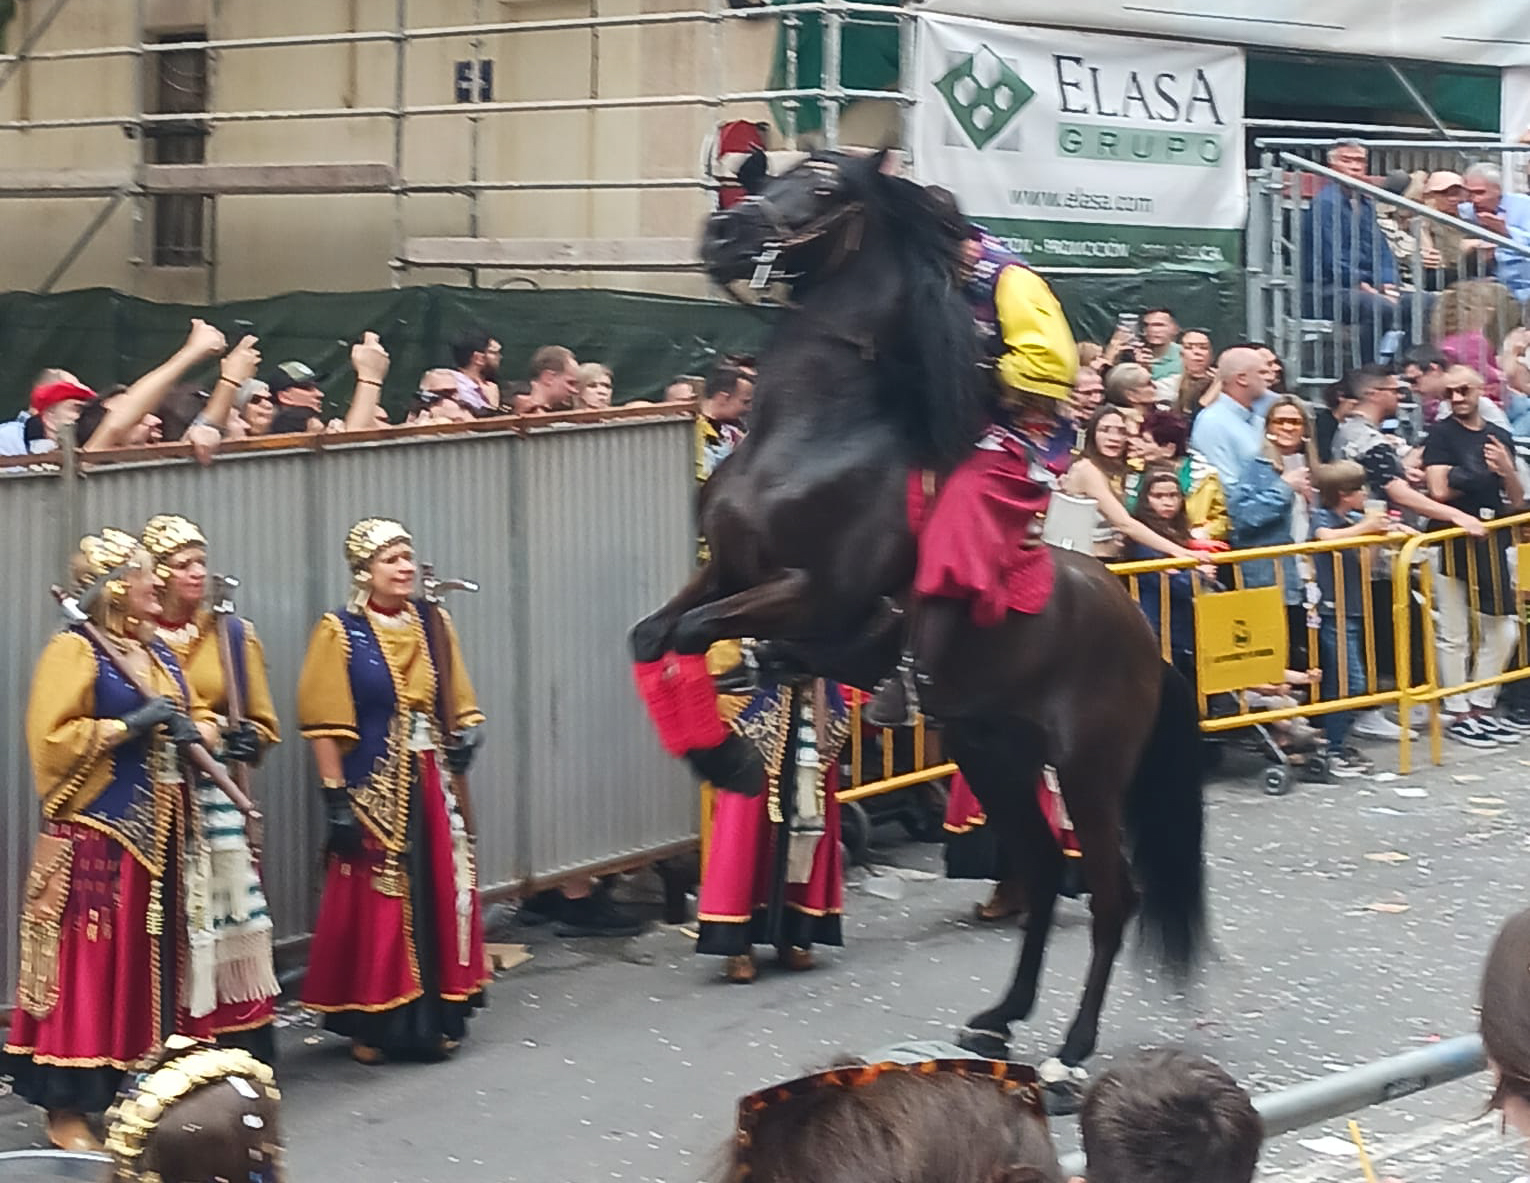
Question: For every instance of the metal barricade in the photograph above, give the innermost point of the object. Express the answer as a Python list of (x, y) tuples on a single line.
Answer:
[(1377, 629), (1452, 584)]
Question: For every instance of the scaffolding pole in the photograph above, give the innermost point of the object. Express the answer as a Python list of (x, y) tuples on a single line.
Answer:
[(400, 82)]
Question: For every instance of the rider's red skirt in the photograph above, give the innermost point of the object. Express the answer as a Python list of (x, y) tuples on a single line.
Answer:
[(980, 541)]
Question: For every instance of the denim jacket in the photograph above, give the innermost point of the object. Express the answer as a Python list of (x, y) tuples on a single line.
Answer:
[(1260, 508)]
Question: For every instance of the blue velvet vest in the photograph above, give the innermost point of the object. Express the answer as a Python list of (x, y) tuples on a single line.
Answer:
[(129, 808), (378, 769)]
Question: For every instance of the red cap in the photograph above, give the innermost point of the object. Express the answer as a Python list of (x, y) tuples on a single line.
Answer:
[(52, 393)]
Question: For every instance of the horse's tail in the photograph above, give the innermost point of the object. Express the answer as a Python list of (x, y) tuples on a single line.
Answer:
[(1165, 824)]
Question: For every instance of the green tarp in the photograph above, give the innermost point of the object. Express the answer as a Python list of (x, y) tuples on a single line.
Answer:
[(106, 337)]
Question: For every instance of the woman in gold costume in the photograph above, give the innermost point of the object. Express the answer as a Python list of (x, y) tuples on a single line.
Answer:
[(219, 652), (397, 960), (104, 932)]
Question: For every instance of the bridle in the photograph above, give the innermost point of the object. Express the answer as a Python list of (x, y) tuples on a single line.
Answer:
[(767, 263)]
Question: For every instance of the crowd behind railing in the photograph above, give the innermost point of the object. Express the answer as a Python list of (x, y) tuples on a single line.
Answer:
[(167, 406), (1388, 263), (1186, 459)]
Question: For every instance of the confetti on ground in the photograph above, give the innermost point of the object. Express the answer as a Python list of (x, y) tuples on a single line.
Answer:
[(1486, 812), (1391, 907), (1411, 792), (1484, 801), (1388, 856), (1468, 778)]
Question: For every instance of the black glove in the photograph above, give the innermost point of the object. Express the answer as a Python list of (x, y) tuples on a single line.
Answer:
[(344, 837), (182, 731), (142, 720), (462, 748), (242, 743)]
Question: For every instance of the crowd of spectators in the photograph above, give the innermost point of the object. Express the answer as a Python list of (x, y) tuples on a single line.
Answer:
[(1369, 265), (164, 407), (1185, 458)]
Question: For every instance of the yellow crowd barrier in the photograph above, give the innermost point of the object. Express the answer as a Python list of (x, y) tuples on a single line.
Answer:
[(1506, 583), (1241, 637)]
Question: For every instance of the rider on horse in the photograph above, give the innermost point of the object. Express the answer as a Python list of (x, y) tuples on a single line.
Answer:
[(982, 543)]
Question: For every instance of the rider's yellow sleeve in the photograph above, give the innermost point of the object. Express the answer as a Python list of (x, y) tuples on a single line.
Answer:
[(1040, 355)]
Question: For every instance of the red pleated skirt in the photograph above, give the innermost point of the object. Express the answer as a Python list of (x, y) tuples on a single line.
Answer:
[(112, 976), (364, 954), (737, 880)]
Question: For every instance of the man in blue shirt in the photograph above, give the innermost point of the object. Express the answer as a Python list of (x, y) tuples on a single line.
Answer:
[(1230, 432), (1348, 271), (1503, 213)]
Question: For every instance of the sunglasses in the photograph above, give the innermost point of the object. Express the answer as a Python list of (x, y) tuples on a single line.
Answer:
[(261, 399), (1460, 389), (1293, 423), (1019, 1080)]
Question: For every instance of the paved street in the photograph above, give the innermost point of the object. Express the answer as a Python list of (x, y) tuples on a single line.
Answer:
[(622, 1060)]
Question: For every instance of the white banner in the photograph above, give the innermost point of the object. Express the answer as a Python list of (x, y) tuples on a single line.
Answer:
[(1041, 134), (1479, 32)]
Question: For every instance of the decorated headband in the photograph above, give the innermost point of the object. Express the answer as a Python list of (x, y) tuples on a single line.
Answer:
[(369, 538), (106, 553), (183, 1067), (168, 534), (1017, 1080)]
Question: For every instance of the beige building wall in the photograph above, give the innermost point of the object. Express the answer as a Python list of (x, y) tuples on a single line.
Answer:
[(267, 244)]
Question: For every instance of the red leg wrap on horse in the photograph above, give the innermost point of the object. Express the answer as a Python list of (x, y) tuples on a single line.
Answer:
[(659, 690), (696, 695)]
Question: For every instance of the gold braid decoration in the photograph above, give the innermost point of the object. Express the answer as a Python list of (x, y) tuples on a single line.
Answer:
[(137, 1113)]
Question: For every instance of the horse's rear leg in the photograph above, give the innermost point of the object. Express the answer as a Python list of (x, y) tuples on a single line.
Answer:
[(651, 638), (1112, 900), (1003, 768), (1093, 784)]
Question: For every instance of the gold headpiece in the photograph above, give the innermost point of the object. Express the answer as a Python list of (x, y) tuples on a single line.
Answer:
[(369, 538), (166, 535), (100, 555), (183, 1067)]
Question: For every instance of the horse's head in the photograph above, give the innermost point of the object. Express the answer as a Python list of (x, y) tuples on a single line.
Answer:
[(791, 224)]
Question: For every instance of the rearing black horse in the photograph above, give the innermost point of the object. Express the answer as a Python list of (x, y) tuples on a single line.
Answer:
[(871, 376)]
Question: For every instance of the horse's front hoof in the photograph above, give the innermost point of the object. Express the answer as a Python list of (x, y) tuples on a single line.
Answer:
[(1062, 1087), (1063, 1099), (735, 765), (991, 1045)]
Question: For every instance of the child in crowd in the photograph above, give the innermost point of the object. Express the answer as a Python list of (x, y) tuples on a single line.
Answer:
[(1166, 1116), (1343, 514), (942, 1121), (1505, 1011), (1161, 508)]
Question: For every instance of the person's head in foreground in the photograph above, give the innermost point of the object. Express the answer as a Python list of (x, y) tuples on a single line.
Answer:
[(1506, 1020), (195, 1112), (1166, 1116), (938, 1121)]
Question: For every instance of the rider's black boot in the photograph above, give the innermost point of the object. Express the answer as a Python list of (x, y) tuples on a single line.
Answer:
[(896, 701)]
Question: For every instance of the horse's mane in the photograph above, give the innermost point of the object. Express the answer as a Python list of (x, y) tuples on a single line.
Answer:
[(937, 395)]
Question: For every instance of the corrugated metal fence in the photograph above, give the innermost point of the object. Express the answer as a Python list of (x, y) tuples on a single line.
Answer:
[(574, 532)]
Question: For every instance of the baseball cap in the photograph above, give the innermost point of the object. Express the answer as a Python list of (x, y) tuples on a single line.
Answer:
[(290, 374), (50, 394), (1441, 181)]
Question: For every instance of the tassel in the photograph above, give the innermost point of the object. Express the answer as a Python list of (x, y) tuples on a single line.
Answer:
[(154, 920)]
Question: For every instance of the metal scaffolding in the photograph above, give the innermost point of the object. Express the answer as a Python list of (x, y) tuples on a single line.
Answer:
[(144, 180)]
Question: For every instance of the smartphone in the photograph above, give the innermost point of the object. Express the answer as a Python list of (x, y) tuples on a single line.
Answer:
[(1128, 323), (1391, 344), (1293, 462)]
